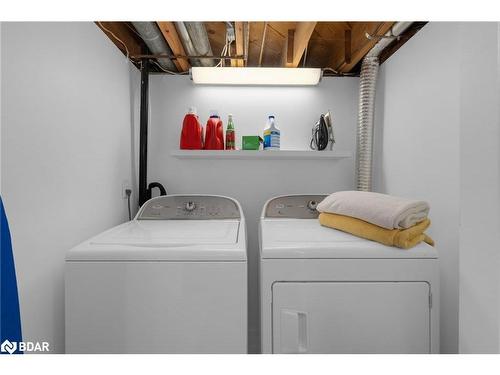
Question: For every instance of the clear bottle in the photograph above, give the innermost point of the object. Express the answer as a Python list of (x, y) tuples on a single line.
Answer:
[(230, 134), (271, 135)]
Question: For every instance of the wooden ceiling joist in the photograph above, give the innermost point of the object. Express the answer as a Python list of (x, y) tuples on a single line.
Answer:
[(174, 42), (361, 45), (347, 46), (246, 45), (240, 40), (337, 45), (301, 36), (289, 47), (121, 34), (263, 43)]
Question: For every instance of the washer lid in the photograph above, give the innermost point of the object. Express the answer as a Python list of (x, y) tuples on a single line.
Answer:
[(307, 239), (157, 240)]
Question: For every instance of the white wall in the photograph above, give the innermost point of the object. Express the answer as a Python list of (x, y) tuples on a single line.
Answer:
[(437, 139), (252, 182), (479, 188), (66, 150), (420, 146)]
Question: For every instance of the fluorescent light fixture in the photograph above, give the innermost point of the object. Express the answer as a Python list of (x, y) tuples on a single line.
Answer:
[(256, 76)]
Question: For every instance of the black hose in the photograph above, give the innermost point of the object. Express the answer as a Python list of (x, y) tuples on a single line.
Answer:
[(129, 211), (128, 192), (160, 187)]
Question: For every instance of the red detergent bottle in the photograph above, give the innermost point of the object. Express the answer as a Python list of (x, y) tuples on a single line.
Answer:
[(192, 132), (214, 133)]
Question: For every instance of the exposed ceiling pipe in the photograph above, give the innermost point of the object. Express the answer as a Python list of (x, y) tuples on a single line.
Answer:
[(397, 29), (367, 88), (187, 43), (194, 38), (199, 37), (153, 38)]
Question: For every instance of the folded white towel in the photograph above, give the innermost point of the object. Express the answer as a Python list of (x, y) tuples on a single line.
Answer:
[(380, 209)]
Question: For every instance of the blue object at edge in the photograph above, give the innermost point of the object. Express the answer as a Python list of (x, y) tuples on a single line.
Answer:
[(10, 319)]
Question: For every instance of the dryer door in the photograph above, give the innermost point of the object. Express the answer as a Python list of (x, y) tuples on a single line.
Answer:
[(351, 317)]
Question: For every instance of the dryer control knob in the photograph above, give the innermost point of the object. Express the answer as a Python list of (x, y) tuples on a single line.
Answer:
[(312, 205), (190, 206)]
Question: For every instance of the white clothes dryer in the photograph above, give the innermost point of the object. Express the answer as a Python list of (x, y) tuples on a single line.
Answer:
[(327, 291)]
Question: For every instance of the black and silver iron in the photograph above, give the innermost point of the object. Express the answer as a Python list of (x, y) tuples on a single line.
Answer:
[(322, 133)]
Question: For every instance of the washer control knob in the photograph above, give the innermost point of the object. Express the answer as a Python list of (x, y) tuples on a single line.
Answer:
[(190, 206), (312, 205)]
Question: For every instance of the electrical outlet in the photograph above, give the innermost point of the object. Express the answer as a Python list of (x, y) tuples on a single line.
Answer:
[(125, 186)]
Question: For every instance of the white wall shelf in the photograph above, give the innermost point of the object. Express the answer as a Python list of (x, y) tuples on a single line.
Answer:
[(249, 154)]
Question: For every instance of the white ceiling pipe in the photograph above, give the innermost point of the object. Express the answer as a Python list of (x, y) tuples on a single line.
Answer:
[(396, 30)]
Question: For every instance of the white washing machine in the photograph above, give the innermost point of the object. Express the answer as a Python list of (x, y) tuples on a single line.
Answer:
[(326, 291), (173, 280)]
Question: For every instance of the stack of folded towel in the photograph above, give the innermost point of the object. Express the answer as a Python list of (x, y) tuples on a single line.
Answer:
[(392, 221)]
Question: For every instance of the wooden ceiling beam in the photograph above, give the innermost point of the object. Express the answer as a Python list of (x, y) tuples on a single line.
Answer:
[(122, 36), (246, 49), (289, 46), (238, 30), (360, 45), (174, 42), (347, 45), (327, 42), (262, 44), (287, 53), (299, 41)]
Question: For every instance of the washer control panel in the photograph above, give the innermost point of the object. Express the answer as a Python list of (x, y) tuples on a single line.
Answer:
[(294, 206), (189, 207)]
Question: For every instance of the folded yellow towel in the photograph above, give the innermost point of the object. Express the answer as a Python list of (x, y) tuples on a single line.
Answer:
[(403, 238)]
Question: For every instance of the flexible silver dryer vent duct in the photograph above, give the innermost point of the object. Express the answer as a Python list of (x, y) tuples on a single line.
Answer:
[(194, 38), (366, 112), (367, 86), (155, 41)]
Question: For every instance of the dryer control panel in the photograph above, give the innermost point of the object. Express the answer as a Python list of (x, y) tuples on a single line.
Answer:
[(294, 206), (189, 207)]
